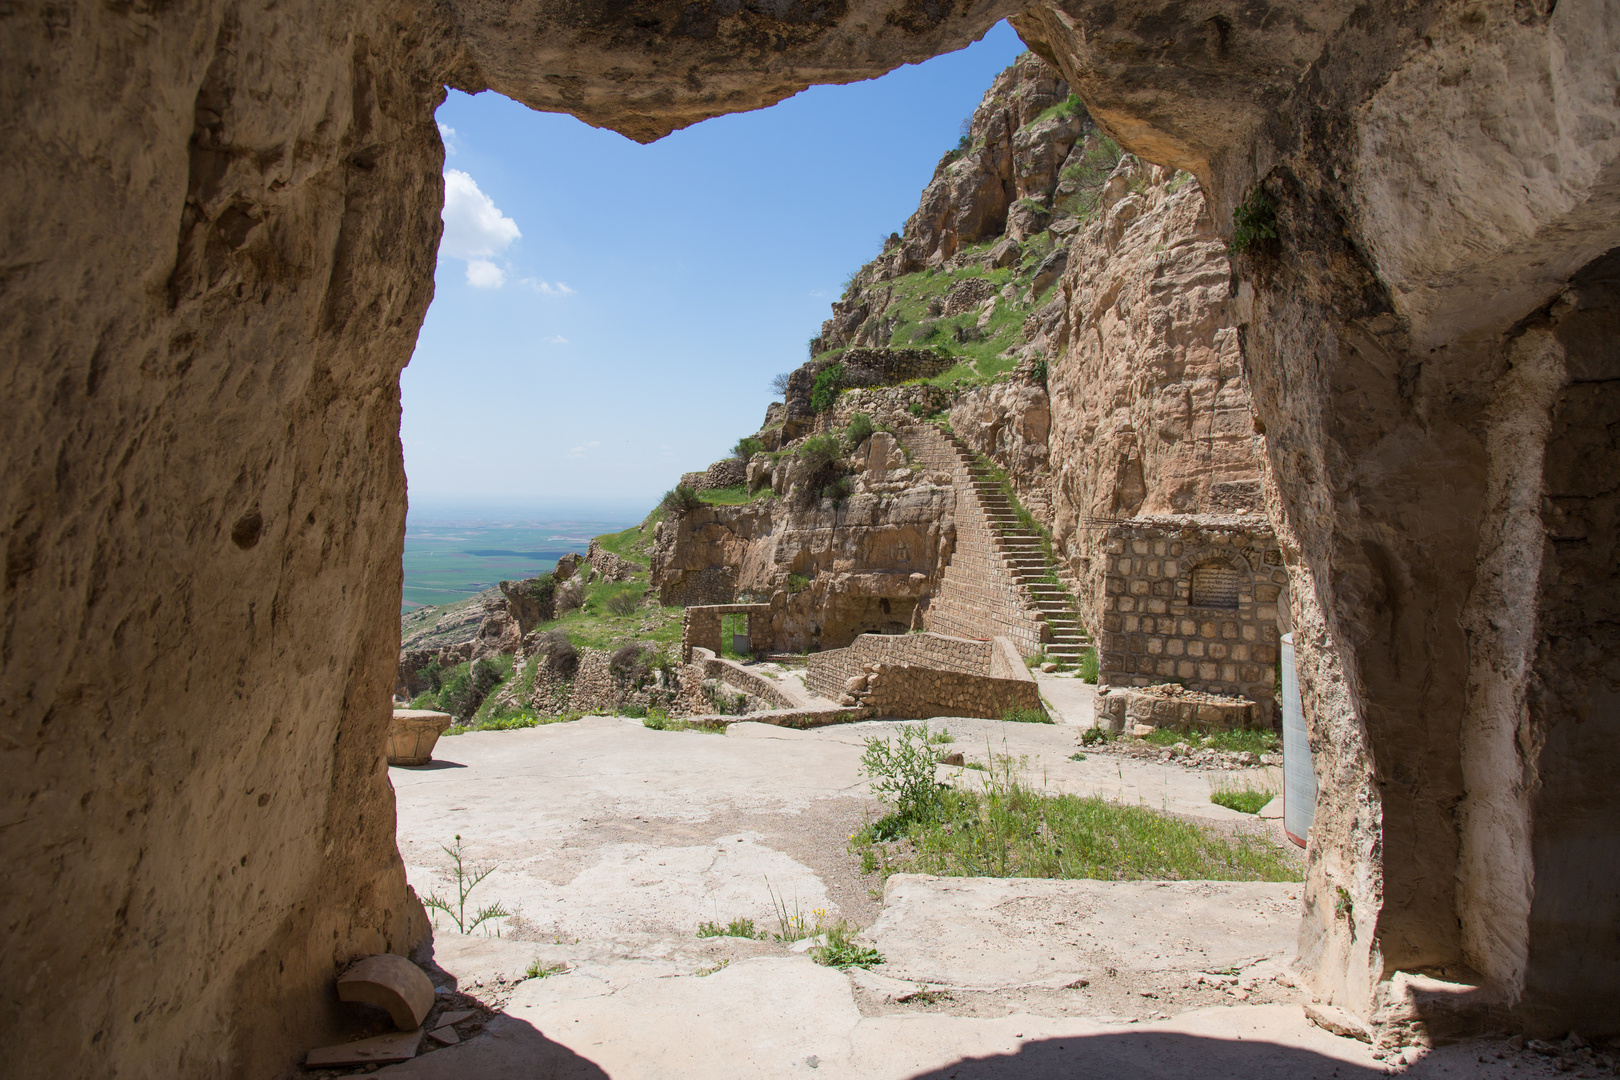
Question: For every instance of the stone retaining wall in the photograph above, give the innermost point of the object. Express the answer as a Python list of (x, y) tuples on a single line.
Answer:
[(722, 474), (1171, 706), (827, 671), (921, 675)]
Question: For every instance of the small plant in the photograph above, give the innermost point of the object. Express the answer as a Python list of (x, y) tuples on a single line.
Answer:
[(705, 972), (1077, 756), (624, 603), (1246, 796), (916, 409), (746, 448), (797, 583), (859, 430), (467, 878), (1343, 905), (1037, 370), (1021, 715), (743, 928), (1254, 221), (1088, 666), (902, 772), (841, 952), (790, 927), (819, 452), (537, 970), (679, 498), (1095, 736), (829, 380)]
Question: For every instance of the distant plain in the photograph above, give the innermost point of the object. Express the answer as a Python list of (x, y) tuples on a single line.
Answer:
[(454, 549)]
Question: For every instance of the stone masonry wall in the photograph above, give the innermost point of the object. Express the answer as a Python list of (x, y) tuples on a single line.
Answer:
[(829, 669), (1193, 601), (977, 597), (701, 626), (910, 692)]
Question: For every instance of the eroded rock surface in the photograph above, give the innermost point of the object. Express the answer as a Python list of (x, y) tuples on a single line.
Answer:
[(221, 224)]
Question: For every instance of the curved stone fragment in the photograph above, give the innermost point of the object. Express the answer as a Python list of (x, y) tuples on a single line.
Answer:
[(389, 982)]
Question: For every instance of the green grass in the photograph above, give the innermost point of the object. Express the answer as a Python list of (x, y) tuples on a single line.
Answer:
[(743, 928), (1244, 802), (736, 495), (1025, 716), (1010, 830), (634, 544), (1254, 741), (537, 970), (658, 720), (1089, 666)]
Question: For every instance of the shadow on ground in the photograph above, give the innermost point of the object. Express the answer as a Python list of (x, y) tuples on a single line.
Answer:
[(1155, 1054)]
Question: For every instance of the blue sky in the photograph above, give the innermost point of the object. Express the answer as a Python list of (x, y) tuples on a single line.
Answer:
[(609, 315)]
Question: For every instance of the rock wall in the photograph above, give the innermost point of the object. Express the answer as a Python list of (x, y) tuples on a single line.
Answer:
[(221, 224), (865, 561)]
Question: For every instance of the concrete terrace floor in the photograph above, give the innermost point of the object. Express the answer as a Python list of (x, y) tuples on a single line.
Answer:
[(612, 842)]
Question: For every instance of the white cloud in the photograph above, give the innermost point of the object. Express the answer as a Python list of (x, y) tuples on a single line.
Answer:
[(579, 451), (474, 228), (547, 288), (447, 135), (483, 274), (557, 339)]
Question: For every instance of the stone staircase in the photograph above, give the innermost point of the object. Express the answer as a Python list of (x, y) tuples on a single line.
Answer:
[(1026, 558), (999, 580)]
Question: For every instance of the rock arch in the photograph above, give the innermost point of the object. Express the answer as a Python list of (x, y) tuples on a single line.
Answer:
[(221, 224)]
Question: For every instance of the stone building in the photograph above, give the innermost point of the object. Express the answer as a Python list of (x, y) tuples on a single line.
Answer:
[(1194, 601)]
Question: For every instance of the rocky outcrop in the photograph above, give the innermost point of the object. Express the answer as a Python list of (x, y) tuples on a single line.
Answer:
[(221, 223), (833, 568)]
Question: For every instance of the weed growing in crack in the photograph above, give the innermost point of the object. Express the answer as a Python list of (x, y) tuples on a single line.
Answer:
[(467, 878), (537, 970), (842, 952), (743, 928)]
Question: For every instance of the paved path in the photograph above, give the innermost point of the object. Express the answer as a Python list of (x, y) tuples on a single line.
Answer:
[(614, 841)]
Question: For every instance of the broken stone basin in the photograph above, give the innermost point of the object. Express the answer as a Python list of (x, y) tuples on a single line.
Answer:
[(412, 734)]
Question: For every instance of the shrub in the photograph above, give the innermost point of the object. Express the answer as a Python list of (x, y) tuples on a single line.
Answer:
[(466, 691), (561, 658), (541, 589), (630, 664), (1092, 736), (838, 490), (1037, 370), (916, 409), (747, 447), (1025, 716), (829, 380), (797, 583), (679, 498), (819, 452), (1088, 666), (623, 603), (779, 383), (902, 773), (859, 430), (1253, 222)]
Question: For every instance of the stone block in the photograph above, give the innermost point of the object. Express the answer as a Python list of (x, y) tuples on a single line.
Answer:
[(389, 982), (1175, 647), (412, 733), (388, 1049)]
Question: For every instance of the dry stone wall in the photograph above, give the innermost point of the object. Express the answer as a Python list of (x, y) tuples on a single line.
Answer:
[(921, 675)]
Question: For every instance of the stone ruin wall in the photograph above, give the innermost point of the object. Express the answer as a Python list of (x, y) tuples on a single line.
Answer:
[(205, 490), (1155, 630), (922, 675)]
